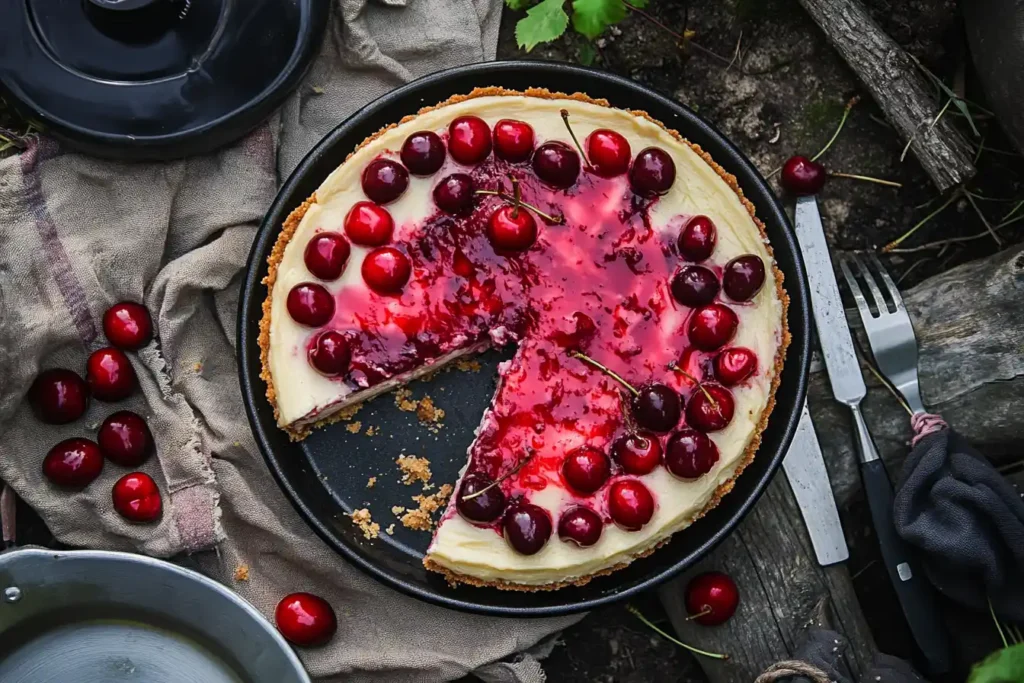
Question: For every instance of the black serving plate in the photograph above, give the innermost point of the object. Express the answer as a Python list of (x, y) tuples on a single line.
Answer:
[(325, 476)]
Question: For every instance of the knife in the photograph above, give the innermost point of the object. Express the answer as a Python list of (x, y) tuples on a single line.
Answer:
[(915, 594), (805, 470)]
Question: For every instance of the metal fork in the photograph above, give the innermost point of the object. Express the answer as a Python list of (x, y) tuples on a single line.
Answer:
[(890, 332)]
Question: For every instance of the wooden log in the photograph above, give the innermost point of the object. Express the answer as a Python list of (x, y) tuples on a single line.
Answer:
[(898, 86)]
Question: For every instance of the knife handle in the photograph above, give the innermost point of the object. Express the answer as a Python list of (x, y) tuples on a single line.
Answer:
[(915, 594)]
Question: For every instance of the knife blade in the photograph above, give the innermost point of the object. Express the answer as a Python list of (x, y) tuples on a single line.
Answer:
[(805, 470)]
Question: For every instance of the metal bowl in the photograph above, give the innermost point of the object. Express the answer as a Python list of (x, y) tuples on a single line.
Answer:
[(89, 616)]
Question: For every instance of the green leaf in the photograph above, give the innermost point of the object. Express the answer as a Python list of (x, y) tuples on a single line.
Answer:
[(588, 53), (543, 23), (1002, 666), (592, 17), (517, 4)]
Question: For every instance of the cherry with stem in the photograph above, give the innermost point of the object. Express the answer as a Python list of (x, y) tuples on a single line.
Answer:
[(700, 385), (517, 201), (606, 370), (500, 479), (583, 155), (636, 613)]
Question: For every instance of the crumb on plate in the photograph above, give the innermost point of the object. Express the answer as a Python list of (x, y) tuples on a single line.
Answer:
[(365, 523)]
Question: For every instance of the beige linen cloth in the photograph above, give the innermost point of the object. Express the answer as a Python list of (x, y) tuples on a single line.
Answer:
[(78, 234)]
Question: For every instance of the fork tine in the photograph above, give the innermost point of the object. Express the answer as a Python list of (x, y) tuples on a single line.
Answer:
[(858, 296), (869, 280), (897, 299)]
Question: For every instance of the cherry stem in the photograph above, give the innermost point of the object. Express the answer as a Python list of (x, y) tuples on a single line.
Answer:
[(866, 178), (611, 373), (551, 219), (705, 610), (565, 118), (636, 613), (846, 114), (499, 479), (517, 196), (675, 368), (899, 240)]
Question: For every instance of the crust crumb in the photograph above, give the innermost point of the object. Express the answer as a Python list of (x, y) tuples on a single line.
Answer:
[(371, 482), (348, 412), (390, 531), (371, 431), (429, 414), (354, 427), (420, 519), (366, 524), (404, 401), (242, 572), (397, 510), (414, 469), (467, 365)]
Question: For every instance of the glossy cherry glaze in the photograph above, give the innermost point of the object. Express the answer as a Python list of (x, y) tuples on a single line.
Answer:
[(527, 528), (386, 270), (608, 152), (137, 498), (630, 504), (712, 327), (695, 286), (690, 454), (712, 409), (586, 469), (513, 140), (58, 396), (711, 598), (580, 525), (454, 194), (512, 228), (384, 180), (310, 304), (73, 463), (330, 353), (801, 176), (305, 619), (557, 164), (125, 439), (369, 225), (653, 172), (743, 277), (637, 452), (326, 255), (469, 140), (110, 375), (697, 239), (127, 325), (735, 364), (423, 153), (476, 507)]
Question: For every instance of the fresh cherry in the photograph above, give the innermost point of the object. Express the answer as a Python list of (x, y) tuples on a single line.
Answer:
[(801, 176), (557, 164), (125, 439), (513, 140), (311, 304), (712, 598), (469, 140), (327, 253), (386, 270), (484, 508), (735, 364), (653, 172), (527, 528), (305, 619), (695, 286), (630, 504), (454, 194), (697, 239), (423, 153), (73, 463), (58, 396), (127, 325), (137, 498), (368, 225), (384, 180), (656, 407), (637, 452), (690, 454), (330, 353), (712, 327), (109, 374), (742, 277), (580, 525), (512, 228), (586, 469), (707, 415), (608, 152)]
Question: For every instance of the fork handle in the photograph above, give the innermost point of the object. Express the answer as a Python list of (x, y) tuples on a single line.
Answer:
[(916, 596)]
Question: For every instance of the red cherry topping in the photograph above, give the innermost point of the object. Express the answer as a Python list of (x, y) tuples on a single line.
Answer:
[(513, 140), (386, 270), (125, 439), (330, 353), (110, 375), (712, 327), (586, 469), (801, 176), (328, 252), (73, 463), (137, 498), (656, 407), (368, 225), (580, 525), (608, 152), (527, 528), (690, 454), (384, 180), (653, 172), (694, 286), (423, 153), (709, 416), (557, 164), (512, 228), (735, 364), (577, 330), (454, 194), (743, 277), (305, 619), (469, 140), (311, 304), (127, 325), (712, 598), (697, 239), (637, 452), (58, 396), (483, 508), (630, 503)]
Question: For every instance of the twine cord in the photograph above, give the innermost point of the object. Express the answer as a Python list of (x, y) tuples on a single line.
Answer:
[(793, 667), (924, 424)]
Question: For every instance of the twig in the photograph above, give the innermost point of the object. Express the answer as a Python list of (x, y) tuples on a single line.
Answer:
[(953, 240), (988, 226), (854, 176), (938, 116), (736, 52), (995, 621), (911, 269), (1014, 210), (899, 240), (846, 114), (682, 39)]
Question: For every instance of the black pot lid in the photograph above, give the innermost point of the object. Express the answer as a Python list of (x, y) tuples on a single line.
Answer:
[(154, 78)]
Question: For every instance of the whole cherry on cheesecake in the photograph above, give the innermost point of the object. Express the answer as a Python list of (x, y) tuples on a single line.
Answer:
[(557, 164), (801, 176), (512, 228), (310, 304), (330, 353), (653, 172), (694, 286), (127, 325), (581, 525), (690, 454), (711, 598), (368, 225), (137, 497), (479, 500), (630, 504), (608, 152), (586, 469), (73, 463), (454, 194), (637, 452), (386, 270), (58, 396), (734, 364), (109, 374), (513, 140), (697, 239), (125, 439), (423, 153), (327, 253), (384, 180), (712, 327), (656, 407), (743, 277), (710, 408), (469, 140), (527, 528), (305, 619)]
